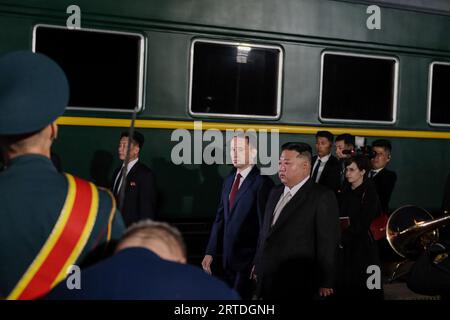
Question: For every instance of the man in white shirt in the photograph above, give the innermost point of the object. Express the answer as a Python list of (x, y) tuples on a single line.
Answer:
[(326, 168), (139, 194), (239, 217), (297, 251)]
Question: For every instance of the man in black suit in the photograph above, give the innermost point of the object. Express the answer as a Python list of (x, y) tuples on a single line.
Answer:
[(239, 217), (383, 178), (297, 250), (140, 188), (326, 168)]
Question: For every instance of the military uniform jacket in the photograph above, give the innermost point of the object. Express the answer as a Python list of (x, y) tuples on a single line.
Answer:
[(32, 195)]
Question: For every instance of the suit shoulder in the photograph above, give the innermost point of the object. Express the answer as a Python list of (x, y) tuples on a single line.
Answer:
[(143, 169), (321, 190), (391, 173), (333, 160)]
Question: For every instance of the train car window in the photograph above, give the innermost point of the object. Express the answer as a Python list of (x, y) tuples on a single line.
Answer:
[(104, 68), (439, 94), (358, 88), (235, 80)]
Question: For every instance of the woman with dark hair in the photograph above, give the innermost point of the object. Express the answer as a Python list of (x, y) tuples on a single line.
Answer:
[(361, 205)]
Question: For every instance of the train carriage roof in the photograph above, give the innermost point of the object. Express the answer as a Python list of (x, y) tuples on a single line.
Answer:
[(432, 6)]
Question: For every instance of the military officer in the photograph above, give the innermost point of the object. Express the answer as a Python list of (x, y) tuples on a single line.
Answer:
[(48, 221)]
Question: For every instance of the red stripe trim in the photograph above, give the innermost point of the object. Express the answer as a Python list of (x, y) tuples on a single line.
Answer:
[(55, 261)]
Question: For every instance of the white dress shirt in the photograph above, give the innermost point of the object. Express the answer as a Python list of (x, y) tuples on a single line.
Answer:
[(244, 174), (323, 162), (129, 167)]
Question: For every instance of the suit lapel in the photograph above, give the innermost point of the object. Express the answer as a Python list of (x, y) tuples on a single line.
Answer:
[(245, 185), (292, 206), (324, 171), (271, 204), (131, 175), (226, 193)]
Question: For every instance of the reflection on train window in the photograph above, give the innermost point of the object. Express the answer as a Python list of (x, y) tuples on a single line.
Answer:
[(439, 97), (233, 79), (358, 88), (104, 69)]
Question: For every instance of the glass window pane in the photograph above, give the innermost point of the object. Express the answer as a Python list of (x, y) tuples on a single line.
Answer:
[(358, 88), (232, 79), (104, 69), (440, 94)]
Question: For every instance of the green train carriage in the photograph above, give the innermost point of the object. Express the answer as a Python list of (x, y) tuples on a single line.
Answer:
[(316, 65)]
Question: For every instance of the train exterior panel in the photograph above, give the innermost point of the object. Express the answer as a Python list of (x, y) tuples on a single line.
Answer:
[(304, 31)]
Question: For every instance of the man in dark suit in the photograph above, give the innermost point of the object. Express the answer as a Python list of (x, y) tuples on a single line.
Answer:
[(149, 264), (297, 251), (383, 178), (326, 168), (239, 217), (140, 188)]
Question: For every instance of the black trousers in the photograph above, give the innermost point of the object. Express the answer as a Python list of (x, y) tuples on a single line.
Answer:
[(241, 282)]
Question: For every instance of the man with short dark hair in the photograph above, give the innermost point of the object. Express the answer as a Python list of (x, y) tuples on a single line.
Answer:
[(297, 250), (325, 166), (383, 178), (149, 264), (140, 187)]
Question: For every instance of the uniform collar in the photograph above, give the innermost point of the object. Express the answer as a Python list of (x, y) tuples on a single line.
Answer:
[(28, 158)]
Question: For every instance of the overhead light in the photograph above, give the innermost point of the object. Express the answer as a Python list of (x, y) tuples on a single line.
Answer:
[(242, 54)]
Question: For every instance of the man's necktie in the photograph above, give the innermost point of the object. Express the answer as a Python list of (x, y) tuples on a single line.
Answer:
[(372, 173), (281, 204), (316, 170), (118, 183), (234, 189)]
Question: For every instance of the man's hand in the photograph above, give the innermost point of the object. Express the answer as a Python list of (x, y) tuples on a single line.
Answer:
[(206, 263), (325, 292)]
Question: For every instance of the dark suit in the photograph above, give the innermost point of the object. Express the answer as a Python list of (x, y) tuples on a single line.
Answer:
[(331, 173), (385, 182), (297, 255), (238, 228), (140, 194), (139, 274)]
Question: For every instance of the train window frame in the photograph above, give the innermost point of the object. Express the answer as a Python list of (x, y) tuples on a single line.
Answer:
[(141, 74), (429, 94), (363, 55), (279, 89)]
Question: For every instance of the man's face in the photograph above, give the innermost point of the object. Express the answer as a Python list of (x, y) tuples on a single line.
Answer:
[(323, 146), (340, 147), (122, 150), (241, 152), (291, 168), (381, 159)]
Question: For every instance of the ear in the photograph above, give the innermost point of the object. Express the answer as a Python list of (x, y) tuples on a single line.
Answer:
[(54, 130)]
